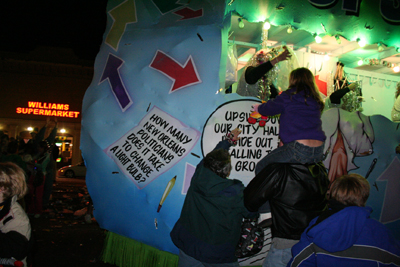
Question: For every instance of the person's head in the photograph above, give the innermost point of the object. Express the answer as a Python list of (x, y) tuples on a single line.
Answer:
[(12, 181), (397, 90), (4, 139), (339, 74), (303, 80), (219, 161), (12, 147), (350, 190), (34, 133)]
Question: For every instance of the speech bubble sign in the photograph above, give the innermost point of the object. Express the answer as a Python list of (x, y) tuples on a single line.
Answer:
[(151, 148), (255, 142)]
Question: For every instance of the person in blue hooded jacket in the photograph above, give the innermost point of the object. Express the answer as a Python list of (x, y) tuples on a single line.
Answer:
[(345, 235), (209, 227)]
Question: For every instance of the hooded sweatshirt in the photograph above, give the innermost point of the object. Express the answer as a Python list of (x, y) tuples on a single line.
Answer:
[(211, 217), (349, 237)]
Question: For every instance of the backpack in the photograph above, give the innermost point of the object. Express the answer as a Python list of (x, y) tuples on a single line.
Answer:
[(251, 239)]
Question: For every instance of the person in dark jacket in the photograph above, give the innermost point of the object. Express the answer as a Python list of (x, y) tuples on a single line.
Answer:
[(345, 235), (208, 229), (260, 73), (296, 194)]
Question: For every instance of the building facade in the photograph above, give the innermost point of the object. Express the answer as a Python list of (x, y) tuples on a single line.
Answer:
[(45, 84)]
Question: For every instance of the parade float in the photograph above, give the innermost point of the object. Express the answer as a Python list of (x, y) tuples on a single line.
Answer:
[(163, 95)]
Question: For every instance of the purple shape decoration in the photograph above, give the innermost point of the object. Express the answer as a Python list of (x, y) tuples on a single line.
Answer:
[(391, 205), (111, 72)]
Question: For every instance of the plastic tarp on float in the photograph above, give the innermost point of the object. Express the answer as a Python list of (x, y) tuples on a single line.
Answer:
[(155, 108)]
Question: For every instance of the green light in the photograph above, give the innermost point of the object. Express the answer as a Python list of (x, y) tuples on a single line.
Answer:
[(241, 23)]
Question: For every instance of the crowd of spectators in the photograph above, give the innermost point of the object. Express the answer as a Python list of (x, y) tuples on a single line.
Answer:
[(36, 156)]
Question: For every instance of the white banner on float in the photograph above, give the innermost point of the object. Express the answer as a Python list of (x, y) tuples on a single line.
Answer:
[(151, 148)]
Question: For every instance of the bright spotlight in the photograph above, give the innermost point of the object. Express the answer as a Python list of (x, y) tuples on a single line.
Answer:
[(361, 43)]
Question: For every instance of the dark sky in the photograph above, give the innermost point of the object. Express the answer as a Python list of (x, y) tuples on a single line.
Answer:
[(79, 25)]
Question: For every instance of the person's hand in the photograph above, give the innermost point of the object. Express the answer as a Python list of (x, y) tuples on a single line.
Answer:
[(352, 86), (254, 108), (235, 134), (280, 144), (284, 55)]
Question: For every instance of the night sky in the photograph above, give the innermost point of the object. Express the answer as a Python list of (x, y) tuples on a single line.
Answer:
[(79, 25)]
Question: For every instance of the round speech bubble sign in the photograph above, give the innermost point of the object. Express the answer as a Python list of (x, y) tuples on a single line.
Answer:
[(255, 141)]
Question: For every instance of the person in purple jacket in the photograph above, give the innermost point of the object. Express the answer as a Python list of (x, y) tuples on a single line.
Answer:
[(300, 128)]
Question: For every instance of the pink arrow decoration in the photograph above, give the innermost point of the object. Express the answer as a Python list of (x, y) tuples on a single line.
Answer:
[(391, 205), (182, 75), (188, 13), (189, 171)]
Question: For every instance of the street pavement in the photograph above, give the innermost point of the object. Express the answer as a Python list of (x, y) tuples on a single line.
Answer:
[(66, 234)]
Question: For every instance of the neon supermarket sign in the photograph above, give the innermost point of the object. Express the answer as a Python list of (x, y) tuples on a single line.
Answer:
[(48, 109)]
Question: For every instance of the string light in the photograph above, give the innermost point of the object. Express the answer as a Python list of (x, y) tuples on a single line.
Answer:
[(360, 62), (241, 23), (396, 69), (361, 43), (317, 38), (289, 30), (267, 25), (264, 36)]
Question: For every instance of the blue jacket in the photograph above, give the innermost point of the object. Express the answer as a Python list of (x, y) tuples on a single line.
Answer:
[(347, 238), (210, 222)]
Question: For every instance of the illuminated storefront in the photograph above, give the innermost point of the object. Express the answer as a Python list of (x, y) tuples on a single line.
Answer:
[(46, 88)]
